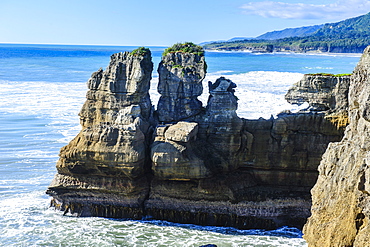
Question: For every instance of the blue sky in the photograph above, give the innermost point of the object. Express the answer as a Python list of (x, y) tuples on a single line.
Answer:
[(164, 22)]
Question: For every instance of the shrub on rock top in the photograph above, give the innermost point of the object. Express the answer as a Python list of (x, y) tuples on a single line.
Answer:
[(141, 51), (187, 47)]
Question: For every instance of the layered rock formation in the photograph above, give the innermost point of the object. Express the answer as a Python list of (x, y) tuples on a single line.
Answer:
[(180, 83), (173, 155), (221, 127), (102, 171), (341, 199), (323, 92), (186, 163)]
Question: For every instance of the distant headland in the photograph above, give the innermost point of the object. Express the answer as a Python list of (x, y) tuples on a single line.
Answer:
[(348, 36)]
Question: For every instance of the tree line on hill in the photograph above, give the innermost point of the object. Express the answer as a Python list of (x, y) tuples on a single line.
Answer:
[(348, 36)]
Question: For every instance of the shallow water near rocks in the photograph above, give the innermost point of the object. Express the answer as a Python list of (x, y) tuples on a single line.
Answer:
[(42, 90)]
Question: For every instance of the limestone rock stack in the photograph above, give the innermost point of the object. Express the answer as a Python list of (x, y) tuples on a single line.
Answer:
[(187, 163), (124, 83), (105, 164), (341, 195), (221, 126), (324, 93), (180, 83)]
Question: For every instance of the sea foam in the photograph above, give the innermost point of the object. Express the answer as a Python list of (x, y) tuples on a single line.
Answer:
[(260, 93)]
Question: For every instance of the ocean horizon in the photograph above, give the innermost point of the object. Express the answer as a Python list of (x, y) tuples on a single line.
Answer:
[(43, 87)]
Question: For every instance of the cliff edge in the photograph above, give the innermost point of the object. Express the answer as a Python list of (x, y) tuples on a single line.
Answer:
[(340, 197)]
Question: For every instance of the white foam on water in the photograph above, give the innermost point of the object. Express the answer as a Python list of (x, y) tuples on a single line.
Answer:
[(59, 103), (41, 98), (222, 72), (318, 68), (26, 220), (154, 95), (320, 54), (34, 154), (260, 93)]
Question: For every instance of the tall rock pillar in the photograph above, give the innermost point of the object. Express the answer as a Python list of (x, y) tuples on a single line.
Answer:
[(181, 73), (102, 171)]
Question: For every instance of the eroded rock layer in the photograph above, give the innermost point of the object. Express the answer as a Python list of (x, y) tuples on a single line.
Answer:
[(322, 92), (341, 196), (187, 163), (105, 165), (180, 83)]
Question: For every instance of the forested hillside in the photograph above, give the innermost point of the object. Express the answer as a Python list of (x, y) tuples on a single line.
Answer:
[(348, 36), (290, 32)]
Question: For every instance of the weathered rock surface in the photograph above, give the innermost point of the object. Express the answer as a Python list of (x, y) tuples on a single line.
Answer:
[(258, 172), (221, 128), (180, 83), (125, 82), (186, 163), (106, 164), (322, 92), (287, 150), (340, 197), (172, 153)]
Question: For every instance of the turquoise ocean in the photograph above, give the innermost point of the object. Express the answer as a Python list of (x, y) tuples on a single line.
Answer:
[(42, 89)]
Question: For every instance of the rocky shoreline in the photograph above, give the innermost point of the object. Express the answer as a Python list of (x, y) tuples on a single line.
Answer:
[(192, 164), (314, 52)]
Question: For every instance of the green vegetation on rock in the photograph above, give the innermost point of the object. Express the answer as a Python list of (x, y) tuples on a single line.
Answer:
[(328, 74), (177, 66), (141, 51), (187, 47)]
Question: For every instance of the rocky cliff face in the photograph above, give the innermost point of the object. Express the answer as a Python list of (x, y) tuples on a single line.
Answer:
[(180, 83), (341, 201), (106, 164), (326, 94), (221, 127), (322, 92), (186, 163)]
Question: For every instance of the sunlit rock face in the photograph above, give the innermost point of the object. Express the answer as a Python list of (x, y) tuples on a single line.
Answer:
[(124, 83), (184, 162), (106, 163), (173, 155), (340, 197)]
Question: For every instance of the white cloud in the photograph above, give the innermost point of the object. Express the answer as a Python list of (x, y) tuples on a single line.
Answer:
[(339, 10)]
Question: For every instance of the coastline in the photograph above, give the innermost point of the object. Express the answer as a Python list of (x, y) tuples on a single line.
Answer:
[(206, 50), (288, 53)]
